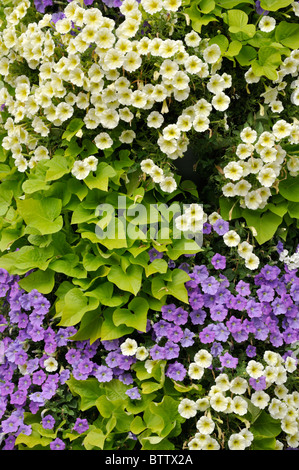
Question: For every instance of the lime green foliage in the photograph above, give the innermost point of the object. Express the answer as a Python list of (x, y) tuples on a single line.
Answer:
[(238, 35)]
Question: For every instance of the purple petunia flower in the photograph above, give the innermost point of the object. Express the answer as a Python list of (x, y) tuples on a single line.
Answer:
[(154, 254), (221, 226), (176, 371), (259, 9), (229, 361), (210, 285), (57, 444), (171, 350), (168, 311), (133, 393), (207, 335), (221, 332), (48, 422), (41, 5), (180, 316), (103, 374), (216, 349), (218, 261), (81, 425), (198, 317), (258, 384), (251, 351), (9, 442), (187, 339), (157, 352)]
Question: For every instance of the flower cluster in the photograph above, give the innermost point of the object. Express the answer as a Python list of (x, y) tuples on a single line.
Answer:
[(85, 80), (263, 386), (292, 261), (227, 324), (260, 162), (195, 220)]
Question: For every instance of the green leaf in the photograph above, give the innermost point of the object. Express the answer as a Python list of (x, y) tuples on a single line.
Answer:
[(101, 177), (176, 287), (234, 49), (134, 316), (206, 6), (246, 55), (293, 209), (43, 281), (228, 4), (88, 390), (75, 306), (58, 166), (268, 60), (265, 427), (68, 265), (33, 440), (265, 224), (221, 41), (129, 280), (106, 295), (237, 19), (73, 127), (288, 34), (137, 425), (158, 265), (229, 209), (27, 258), (43, 215), (289, 188), (90, 327), (95, 438), (263, 443), (274, 5), (109, 331)]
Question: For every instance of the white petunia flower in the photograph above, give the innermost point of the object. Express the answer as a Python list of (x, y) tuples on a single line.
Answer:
[(218, 402), (242, 188), (281, 129), (103, 141), (205, 425), (266, 177), (129, 347), (203, 403), (238, 385), (203, 358), (240, 406), (192, 39), (254, 369), (80, 170), (252, 261), (245, 249), (187, 408), (210, 444), (211, 54), (152, 6), (127, 136), (236, 442), (253, 200), (229, 190), (92, 162), (221, 101), (141, 353), (260, 399), (248, 135), (168, 184), (50, 364), (267, 23), (195, 372), (233, 171)]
